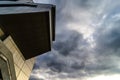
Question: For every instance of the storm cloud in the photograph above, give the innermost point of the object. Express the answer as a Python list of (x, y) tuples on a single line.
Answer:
[(87, 41)]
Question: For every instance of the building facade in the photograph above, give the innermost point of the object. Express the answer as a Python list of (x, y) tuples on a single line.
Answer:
[(22, 67), (26, 30)]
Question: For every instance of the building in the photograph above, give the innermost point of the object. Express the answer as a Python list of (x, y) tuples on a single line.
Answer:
[(26, 30)]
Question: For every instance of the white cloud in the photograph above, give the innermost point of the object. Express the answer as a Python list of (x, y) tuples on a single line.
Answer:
[(105, 77)]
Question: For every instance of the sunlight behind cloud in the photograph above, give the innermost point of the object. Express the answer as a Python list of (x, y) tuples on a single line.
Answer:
[(85, 30)]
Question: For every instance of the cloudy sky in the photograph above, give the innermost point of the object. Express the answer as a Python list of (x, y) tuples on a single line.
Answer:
[(87, 45)]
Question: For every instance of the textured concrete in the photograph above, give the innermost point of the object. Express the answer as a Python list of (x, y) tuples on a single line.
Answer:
[(6, 54), (23, 68)]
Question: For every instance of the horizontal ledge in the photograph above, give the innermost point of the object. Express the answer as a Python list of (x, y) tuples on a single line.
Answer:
[(18, 4)]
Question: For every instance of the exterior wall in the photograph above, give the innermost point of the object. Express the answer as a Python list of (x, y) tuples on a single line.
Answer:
[(6, 63), (23, 67)]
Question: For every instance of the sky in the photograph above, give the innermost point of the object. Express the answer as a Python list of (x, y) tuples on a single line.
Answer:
[(87, 43)]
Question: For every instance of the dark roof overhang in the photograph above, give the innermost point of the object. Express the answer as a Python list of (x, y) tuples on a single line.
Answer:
[(8, 0), (31, 25)]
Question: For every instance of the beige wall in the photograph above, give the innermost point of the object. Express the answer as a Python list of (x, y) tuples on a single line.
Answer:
[(6, 63), (23, 67)]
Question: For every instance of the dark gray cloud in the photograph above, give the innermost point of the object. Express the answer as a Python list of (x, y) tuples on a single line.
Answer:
[(109, 37), (70, 43), (72, 56), (64, 46), (35, 78)]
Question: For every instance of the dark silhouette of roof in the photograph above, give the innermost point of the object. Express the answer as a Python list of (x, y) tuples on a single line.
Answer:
[(31, 25)]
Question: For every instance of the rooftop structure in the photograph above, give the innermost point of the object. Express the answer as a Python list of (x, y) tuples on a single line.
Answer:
[(26, 31), (32, 26)]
